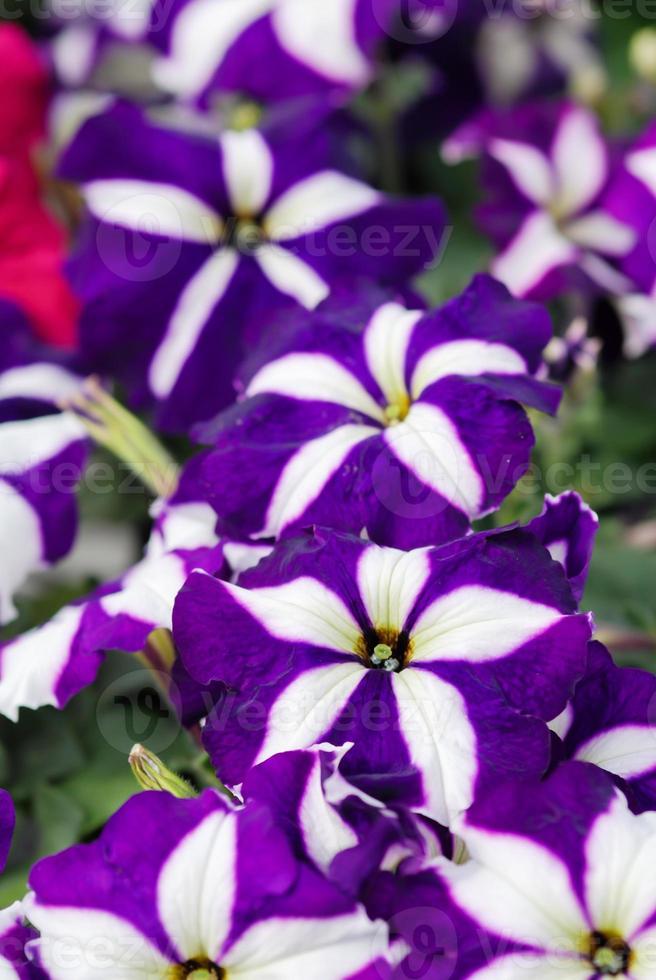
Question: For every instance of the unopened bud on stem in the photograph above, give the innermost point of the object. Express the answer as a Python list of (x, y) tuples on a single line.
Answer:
[(151, 773), (642, 53), (113, 426)]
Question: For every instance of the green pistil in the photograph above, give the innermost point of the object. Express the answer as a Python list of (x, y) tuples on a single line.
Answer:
[(383, 656), (608, 961), (382, 651), (245, 115), (609, 954), (397, 411)]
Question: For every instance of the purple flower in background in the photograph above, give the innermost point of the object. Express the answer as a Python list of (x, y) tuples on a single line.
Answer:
[(404, 423), (92, 34), (216, 892), (526, 51), (436, 663), (567, 527), (558, 885), (269, 49), (34, 378), (573, 354), (193, 245), (546, 171), (13, 933), (14, 937), (52, 662), (41, 462), (42, 457), (632, 200), (611, 722)]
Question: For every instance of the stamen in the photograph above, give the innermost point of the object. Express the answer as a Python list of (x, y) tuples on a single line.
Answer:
[(397, 411), (609, 954), (245, 234), (199, 969), (384, 649)]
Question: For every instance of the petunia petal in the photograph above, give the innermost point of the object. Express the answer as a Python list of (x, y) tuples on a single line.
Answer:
[(477, 624), (333, 948), (316, 202), (161, 209), (308, 472), (308, 707), (314, 377), (198, 299), (248, 171), (620, 850), (579, 159), (196, 887), (518, 889), (323, 38), (536, 250), (528, 167)]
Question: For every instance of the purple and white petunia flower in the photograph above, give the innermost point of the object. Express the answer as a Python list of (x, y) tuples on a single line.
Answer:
[(575, 353), (376, 417), (50, 663), (34, 378), (13, 933), (194, 243), (14, 937), (567, 527), (632, 200), (36, 388), (93, 40), (217, 892), (558, 886), (331, 823), (546, 171), (41, 463), (438, 664), (268, 49), (42, 457), (611, 722), (523, 50)]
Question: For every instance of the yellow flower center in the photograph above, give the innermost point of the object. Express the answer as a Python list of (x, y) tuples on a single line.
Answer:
[(385, 649), (397, 411)]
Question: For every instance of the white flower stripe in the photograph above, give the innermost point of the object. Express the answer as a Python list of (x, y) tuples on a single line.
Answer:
[(466, 358), (301, 611), (156, 209), (315, 377), (626, 750), (196, 888), (308, 707), (307, 473), (316, 202), (195, 305), (478, 624)]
